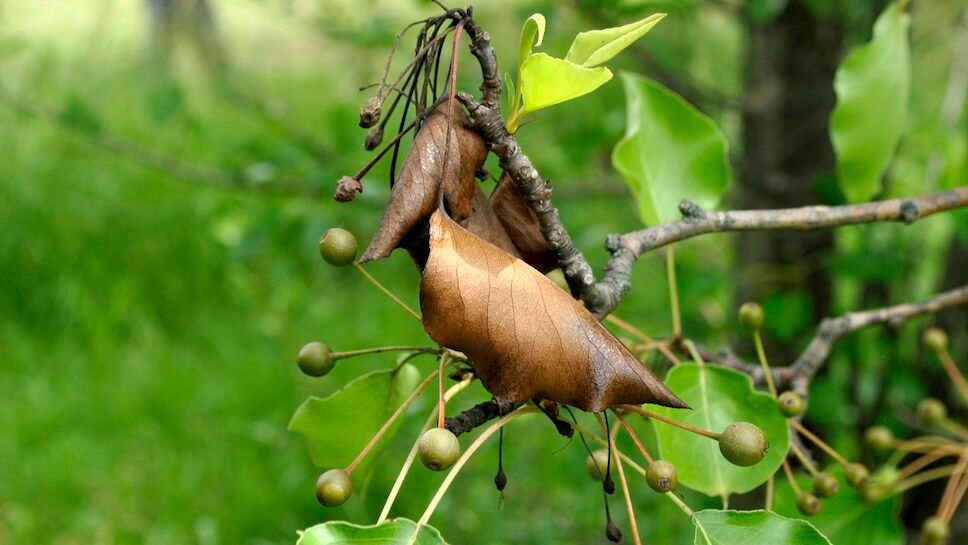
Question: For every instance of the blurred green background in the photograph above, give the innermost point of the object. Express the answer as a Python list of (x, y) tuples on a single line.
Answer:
[(163, 183)]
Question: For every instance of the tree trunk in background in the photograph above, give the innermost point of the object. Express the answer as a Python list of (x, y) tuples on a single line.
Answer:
[(789, 97), (190, 20)]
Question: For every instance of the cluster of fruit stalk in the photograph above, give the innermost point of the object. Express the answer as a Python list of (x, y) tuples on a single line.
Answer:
[(741, 443)]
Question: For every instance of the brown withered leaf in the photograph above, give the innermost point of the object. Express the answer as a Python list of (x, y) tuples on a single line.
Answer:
[(521, 225), (415, 194), (525, 336)]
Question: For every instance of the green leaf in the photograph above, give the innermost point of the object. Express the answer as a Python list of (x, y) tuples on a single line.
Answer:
[(873, 85), (546, 81), (845, 518), (715, 527), (670, 152), (532, 34), (337, 427), (594, 47), (718, 397), (391, 532)]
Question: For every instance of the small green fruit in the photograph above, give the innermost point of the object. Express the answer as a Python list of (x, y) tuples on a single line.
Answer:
[(438, 449), (879, 438), (315, 359), (935, 531), (825, 485), (751, 316), (791, 404), (857, 475), (743, 444), (338, 247), (597, 464), (808, 504), (935, 339), (931, 412), (406, 379), (661, 475), (873, 494), (333, 487)]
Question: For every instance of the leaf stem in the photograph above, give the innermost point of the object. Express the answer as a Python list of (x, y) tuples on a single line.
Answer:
[(667, 420), (761, 354), (949, 490), (955, 428), (411, 456), (803, 458), (802, 430), (625, 490), (768, 504), (386, 425), (460, 464), (673, 291), (613, 319), (924, 477), (921, 462), (634, 436), (441, 401), (789, 475), (387, 292), (380, 349)]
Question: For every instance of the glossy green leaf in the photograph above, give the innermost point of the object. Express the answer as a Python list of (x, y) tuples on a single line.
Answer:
[(873, 85), (718, 397), (337, 427), (714, 527), (844, 518), (546, 81), (594, 47), (670, 152), (392, 532)]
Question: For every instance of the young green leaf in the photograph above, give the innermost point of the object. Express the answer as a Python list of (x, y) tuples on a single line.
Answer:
[(670, 152), (873, 85), (715, 527), (846, 518), (532, 34), (546, 81), (718, 397), (391, 532), (337, 427), (594, 47)]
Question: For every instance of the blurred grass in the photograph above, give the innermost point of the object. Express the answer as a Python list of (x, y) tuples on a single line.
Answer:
[(147, 326)]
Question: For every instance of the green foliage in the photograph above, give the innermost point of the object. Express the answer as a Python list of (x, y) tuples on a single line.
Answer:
[(754, 528), (718, 397), (544, 80), (594, 47), (395, 532), (873, 87), (338, 426), (845, 518), (670, 151)]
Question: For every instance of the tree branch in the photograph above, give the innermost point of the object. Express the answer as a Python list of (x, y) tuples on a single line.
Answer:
[(627, 248), (832, 330)]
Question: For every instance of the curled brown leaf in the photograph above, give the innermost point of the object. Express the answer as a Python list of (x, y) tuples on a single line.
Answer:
[(434, 162), (526, 337)]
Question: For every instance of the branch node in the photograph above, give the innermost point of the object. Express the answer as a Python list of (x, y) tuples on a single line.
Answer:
[(909, 212), (691, 210)]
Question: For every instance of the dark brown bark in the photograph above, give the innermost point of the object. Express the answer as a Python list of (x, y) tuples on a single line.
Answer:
[(787, 105)]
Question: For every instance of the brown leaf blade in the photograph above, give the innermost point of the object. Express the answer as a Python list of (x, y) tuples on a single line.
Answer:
[(430, 164), (526, 337), (521, 224)]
